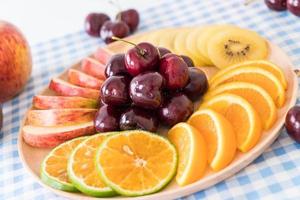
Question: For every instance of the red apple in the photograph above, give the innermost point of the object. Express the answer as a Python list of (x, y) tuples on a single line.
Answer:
[(82, 79), (15, 61), (59, 117), (103, 55), (46, 137), (64, 88), (56, 102), (93, 67)]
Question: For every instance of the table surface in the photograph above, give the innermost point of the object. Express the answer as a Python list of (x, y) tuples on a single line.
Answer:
[(274, 175)]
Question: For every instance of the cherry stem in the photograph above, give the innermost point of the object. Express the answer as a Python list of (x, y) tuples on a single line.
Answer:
[(142, 52), (247, 2)]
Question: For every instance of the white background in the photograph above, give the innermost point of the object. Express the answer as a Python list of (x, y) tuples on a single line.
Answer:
[(42, 20)]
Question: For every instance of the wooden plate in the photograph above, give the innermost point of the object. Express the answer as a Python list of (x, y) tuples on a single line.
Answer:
[(32, 157)]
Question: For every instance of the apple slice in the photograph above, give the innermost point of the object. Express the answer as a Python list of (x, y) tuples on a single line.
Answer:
[(59, 117), (46, 137), (82, 79), (56, 102), (64, 88), (93, 67), (103, 55)]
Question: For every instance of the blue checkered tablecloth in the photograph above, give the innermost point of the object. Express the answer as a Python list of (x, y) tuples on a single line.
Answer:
[(274, 175)]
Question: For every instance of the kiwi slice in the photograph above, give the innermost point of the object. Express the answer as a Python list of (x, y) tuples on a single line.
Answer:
[(236, 45)]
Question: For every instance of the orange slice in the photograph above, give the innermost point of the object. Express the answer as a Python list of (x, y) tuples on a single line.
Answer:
[(261, 101), (263, 64), (192, 152), (54, 166), (82, 170), (257, 76), (244, 119), (135, 163), (218, 135)]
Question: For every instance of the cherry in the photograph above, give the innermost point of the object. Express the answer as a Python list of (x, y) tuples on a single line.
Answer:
[(114, 91), (143, 57), (294, 7), (145, 90), (107, 119), (292, 123), (176, 109), (163, 51), (174, 70), (138, 118), (130, 17), (94, 22), (110, 29), (197, 85), (277, 5), (188, 61), (116, 66)]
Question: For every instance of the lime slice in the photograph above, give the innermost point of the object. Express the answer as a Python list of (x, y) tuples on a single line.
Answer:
[(82, 171), (135, 163), (54, 166)]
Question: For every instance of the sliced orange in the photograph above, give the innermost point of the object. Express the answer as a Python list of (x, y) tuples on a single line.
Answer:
[(244, 119), (192, 152), (255, 75), (135, 163), (82, 170), (54, 166), (261, 101), (263, 64), (218, 135)]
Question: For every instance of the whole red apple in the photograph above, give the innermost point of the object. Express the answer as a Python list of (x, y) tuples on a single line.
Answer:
[(15, 61)]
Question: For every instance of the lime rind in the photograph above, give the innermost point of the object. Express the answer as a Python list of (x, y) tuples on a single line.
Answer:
[(79, 184), (53, 181), (130, 193)]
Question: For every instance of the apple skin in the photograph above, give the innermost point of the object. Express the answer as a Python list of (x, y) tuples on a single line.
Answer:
[(64, 88), (59, 117), (93, 67), (56, 102), (83, 80), (15, 61), (48, 137), (103, 55)]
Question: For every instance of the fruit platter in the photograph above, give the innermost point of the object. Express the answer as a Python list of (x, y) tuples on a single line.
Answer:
[(158, 115)]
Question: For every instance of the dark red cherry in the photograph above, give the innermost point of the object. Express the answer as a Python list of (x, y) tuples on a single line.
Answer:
[(294, 7), (107, 119), (143, 57), (163, 51), (188, 61), (292, 123), (114, 91), (130, 17), (116, 66), (197, 85), (93, 23), (174, 70), (138, 118), (176, 109), (277, 5), (117, 28)]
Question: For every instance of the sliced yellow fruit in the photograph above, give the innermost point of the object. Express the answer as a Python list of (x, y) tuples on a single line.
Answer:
[(191, 45), (54, 166), (263, 64), (242, 116), (180, 46), (235, 45), (82, 170), (167, 38), (255, 75), (136, 163), (261, 101), (153, 37), (192, 152), (218, 135)]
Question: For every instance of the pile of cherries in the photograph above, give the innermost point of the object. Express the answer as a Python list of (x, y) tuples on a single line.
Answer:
[(100, 25), (147, 86), (281, 5)]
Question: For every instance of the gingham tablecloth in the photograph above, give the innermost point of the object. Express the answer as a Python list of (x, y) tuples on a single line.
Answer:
[(274, 175)]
